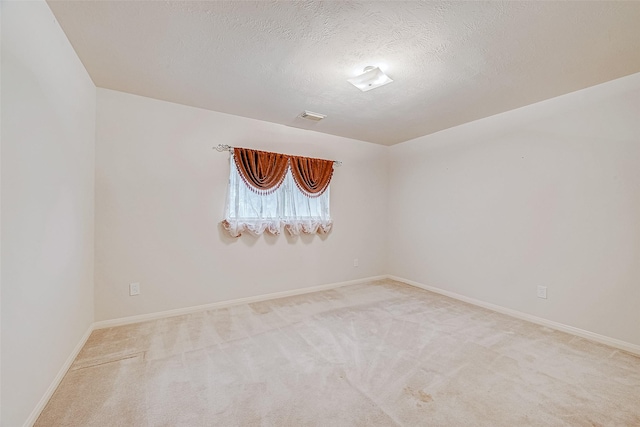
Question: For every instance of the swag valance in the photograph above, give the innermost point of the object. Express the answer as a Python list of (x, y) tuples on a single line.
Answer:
[(264, 172)]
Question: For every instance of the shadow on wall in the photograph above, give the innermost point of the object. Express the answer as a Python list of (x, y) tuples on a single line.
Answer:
[(250, 240)]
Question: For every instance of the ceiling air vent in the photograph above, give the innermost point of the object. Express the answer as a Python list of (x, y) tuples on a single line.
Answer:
[(316, 117)]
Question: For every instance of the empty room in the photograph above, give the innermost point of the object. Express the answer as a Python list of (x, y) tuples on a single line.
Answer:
[(319, 213)]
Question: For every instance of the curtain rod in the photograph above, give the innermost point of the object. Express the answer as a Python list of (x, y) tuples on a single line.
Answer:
[(229, 148)]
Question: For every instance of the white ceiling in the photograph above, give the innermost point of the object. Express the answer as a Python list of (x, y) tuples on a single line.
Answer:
[(451, 62)]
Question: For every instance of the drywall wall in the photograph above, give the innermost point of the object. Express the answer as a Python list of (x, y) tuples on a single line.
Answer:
[(160, 193), (48, 137), (548, 195)]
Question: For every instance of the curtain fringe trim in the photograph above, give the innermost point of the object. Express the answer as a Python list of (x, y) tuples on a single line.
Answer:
[(275, 228), (312, 195), (260, 191)]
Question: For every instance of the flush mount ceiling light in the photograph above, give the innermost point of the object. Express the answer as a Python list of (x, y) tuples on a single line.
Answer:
[(371, 78), (310, 115)]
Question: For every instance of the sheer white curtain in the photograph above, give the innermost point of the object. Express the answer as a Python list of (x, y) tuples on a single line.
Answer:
[(286, 207)]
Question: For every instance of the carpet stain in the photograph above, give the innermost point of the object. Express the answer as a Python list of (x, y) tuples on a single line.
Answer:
[(419, 394), (424, 396), (261, 308)]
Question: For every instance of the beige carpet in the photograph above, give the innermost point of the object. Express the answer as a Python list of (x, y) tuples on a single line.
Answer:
[(381, 354)]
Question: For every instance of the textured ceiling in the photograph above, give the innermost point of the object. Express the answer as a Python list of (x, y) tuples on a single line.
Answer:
[(451, 62)]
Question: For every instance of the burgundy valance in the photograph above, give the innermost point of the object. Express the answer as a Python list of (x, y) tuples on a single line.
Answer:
[(264, 171), (312, 176)]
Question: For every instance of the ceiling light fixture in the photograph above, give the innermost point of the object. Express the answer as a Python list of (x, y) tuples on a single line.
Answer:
[(371, 78), (309, 115)]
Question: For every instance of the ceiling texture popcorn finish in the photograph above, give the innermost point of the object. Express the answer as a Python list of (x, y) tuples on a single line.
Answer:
[(451, 62)]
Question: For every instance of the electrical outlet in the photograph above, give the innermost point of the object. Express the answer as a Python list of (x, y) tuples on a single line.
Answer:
[(542, 292), (355, 262), (134, 289)]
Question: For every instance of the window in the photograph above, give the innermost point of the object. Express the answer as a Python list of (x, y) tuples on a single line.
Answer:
[(293, 194)]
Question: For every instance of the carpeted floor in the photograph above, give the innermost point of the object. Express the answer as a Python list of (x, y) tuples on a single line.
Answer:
[(379, 354)]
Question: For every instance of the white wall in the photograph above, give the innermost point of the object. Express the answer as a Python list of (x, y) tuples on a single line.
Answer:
[(48, 136), (160, 192), (548, 194)]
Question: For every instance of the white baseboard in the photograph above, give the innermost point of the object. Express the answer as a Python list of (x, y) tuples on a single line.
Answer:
[(223, 304), (602, 339), (33, 417)]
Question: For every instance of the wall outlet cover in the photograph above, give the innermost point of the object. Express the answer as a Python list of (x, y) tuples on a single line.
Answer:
[(134, 289), (542, 292)]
